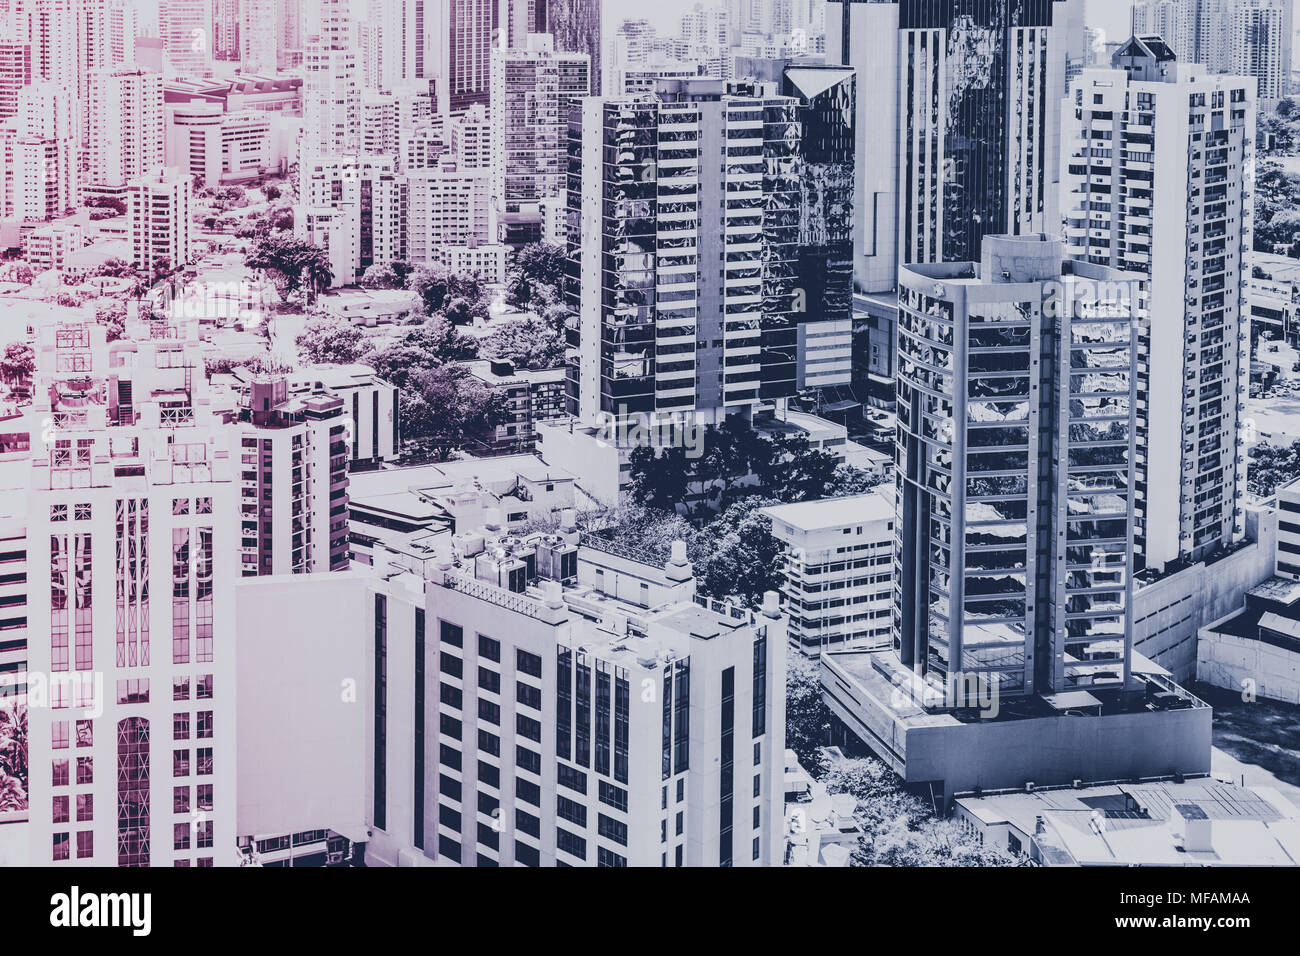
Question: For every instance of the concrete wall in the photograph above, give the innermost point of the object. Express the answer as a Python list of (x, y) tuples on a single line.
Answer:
[(1058, 750), (1168, 615), (1230, 662)]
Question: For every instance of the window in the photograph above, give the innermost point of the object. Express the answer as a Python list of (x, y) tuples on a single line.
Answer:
[(180, 763), (204, 724), (180, 836), (489, 711), (613, 796), (528, 792), (528, 727), (85, 807), (85, 733), (489, 680), (59, 735), (528, 695), (528, 760), (609, 858), (527, 823), (489, 648), (567, 809), (451, 634), (180, 688), (180, 727), (204, 793), (61, 813), (527, 855), (180, 799), (527, 663), (449, 726), (203, 687), (611, 829), (570, 843), (60, 773), (203, 758), (85, 770), (60, 846), (489, 743), (85, 844), (575, 780), (489, 774)]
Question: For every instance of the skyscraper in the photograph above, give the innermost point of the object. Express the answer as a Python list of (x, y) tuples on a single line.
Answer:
[(533, 89), (331, 95), (1017, 386), (186, 28), (466, 31), (683, 226), (957, 139), (1160, 154)]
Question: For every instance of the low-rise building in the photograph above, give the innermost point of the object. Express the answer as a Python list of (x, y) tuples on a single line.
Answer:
[(838, 580), (532, 396), (1171, 822)]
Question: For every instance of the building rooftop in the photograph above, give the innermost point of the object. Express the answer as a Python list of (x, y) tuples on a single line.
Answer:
[(1145, 824), (826, 513)]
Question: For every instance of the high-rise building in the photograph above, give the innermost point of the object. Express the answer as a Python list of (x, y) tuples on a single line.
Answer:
[(158, 213), (259, 35), (293, 479), (533, 89), (465, 32), (131, 537), (125, 130), (15, 73), (353, 207), (448, 205), (1187, 230), (186, 30), (1259, 41), (1242, 37), (331, 94), (1017, 392), (41, 179), (957, 138), (683, 228), (227, 30), (576, 27)]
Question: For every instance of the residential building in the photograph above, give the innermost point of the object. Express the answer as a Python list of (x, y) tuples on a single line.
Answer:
[(654, 331), (531, 396), (1187, 232), (125, 133), (293, 479), (158, 208)]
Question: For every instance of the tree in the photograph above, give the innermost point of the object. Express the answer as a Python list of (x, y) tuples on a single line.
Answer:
[(898, 829), (850, 480), (13, 756), (113, 318), (437, 287), (807, 718), (528, 342), (737, 554), (445, 408), (534, 267), (293, 264), (660, 479), (331, 340), (18, 364), (271, 192), (390, 275), (434, 343), (1271, 466)]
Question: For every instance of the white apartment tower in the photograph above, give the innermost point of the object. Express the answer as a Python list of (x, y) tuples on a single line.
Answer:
[(533, 90), (41, 158), (353, 207), (1160, 159), (331, 96), (125, 130), (1259, 40), (131, 534), (158, 212)]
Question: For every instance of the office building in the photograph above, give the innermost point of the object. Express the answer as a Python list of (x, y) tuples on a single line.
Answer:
[(1160, 153), (951, 145), (538, 701), (15, 73), (130, 531), (331, 93), (186, 30)]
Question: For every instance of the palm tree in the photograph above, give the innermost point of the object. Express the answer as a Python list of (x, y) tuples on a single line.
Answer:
[(12, 794), (13, 742)]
